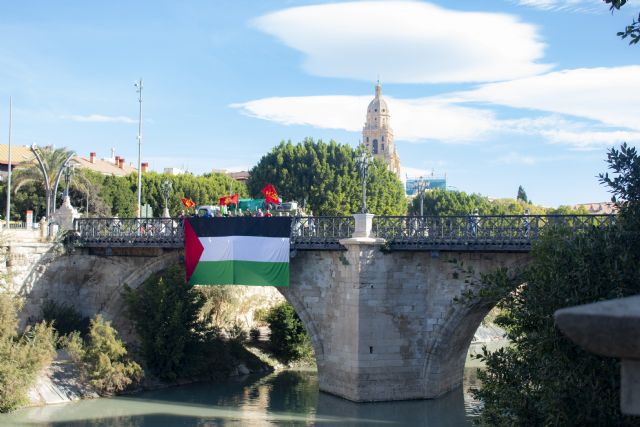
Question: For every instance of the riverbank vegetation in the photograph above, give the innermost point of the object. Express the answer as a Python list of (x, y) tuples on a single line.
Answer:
[(543, 378), (22, 356), (176, 341), (102, 358), (289, 341)]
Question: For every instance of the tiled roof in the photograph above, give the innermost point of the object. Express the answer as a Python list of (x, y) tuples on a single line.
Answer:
[(19, 154), (104, 166)]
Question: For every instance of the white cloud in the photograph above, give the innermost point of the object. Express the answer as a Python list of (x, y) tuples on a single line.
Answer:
[(573, 5), (578, 135), (99, 118), (513, 157), (412, 119), (607, 95), (436, 119), (407, 42)]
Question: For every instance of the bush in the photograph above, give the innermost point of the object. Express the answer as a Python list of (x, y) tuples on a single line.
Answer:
[(102, 358), (543, 378), (21, 357), (254, 334), (289, 340), (165, 312), (65, 318), (237, 333)]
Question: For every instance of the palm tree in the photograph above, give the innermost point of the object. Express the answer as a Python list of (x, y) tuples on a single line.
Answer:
[(48, 170)]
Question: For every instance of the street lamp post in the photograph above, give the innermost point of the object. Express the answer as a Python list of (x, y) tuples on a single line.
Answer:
[(166, 187), (421, 186), (68, 172), (9, 170), (139, 87), (363, 165)]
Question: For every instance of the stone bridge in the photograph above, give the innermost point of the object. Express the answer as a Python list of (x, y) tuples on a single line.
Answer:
[(382, 315)]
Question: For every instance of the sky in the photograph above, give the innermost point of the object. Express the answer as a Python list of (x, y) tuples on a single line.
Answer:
[(492, 93)]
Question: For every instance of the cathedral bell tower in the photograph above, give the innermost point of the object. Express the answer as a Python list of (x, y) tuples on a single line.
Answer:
[(377, 134)]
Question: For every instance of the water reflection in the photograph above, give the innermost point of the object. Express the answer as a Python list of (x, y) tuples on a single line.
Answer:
[(288, 398)]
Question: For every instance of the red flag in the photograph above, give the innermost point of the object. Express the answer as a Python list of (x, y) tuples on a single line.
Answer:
[(188, 203), (228, 200), (270, 194)]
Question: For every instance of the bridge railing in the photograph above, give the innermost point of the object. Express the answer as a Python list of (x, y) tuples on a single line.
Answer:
[(489, 232), (501, 232), (147, 232), (322, 232)]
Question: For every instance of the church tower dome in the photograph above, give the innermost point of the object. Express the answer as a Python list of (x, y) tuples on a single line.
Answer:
[(377, 134)]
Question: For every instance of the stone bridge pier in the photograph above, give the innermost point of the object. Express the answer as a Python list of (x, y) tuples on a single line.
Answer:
[(384, 325)]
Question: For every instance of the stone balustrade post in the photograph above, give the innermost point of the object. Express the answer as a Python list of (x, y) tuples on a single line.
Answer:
[(609, 328), (364, 224), (44, 229)]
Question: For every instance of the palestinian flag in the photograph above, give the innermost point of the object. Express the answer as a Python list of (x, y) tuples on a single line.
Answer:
[(237, 250)]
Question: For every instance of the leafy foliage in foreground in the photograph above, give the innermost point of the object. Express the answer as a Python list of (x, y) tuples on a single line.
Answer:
[(543, 378), (289, 339), (22, 357)]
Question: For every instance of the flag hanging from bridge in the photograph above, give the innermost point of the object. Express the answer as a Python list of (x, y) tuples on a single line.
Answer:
[(237, 251)]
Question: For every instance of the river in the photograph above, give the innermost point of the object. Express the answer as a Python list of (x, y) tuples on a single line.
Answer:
[(284, 398)]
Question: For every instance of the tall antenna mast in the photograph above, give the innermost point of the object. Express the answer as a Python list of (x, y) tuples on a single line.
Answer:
[(139, 86), (9, 171)]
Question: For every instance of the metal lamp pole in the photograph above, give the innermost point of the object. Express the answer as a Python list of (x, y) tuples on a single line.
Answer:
[(421, 186), (68, 171), (166, 190), (139, 87), (9, 172), (363, 163)]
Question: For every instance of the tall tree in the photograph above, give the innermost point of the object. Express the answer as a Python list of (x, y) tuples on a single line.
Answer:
[(325, 178), (522, 195), (46, 171), (543, 378)]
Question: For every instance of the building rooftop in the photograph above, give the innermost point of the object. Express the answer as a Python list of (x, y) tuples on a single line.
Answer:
[(19, 154), (105, 166)]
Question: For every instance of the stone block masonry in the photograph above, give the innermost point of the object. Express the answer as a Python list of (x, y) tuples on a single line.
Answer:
[(384, 325)]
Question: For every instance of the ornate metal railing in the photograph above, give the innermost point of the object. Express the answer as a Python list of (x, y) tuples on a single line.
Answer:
[(322, 232), (458, 233), (129, 232), (480, 233)]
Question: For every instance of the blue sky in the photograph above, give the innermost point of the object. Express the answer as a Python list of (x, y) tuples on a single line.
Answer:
[(494, 93)]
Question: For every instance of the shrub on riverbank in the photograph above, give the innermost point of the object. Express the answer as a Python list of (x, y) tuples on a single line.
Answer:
[(543, 378), (23, 356), (289, 339), (103, 358), (64, 317), (176, 341)]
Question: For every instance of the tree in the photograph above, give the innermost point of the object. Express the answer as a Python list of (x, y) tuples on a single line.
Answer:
[(47, 171), (165, 313), (324, 177), (441, 202), (522, 195), (632, 31), (543, 378), (289, 340)]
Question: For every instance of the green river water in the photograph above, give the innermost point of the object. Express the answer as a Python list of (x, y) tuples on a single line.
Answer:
[(285, 398)]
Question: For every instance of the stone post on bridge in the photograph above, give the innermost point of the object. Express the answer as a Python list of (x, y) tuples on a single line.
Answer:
[(65, 215), (385, 325)]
